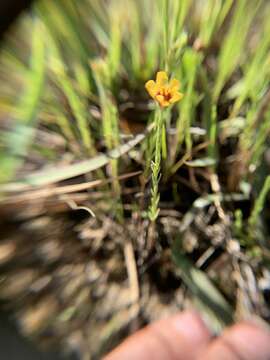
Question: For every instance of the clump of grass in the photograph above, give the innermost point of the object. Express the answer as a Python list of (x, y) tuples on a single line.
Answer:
[(18, 141)]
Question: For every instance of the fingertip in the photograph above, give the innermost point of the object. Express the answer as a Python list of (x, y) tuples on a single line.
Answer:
[(191, 325), (178, 337), (244, 341), (251, 338)]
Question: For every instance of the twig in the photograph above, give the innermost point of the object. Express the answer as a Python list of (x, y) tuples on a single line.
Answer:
[(74, 206), (48, 192), (132, 273)]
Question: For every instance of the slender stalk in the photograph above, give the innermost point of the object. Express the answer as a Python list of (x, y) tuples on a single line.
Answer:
[(259, 204), (166, 34), (153, 209)]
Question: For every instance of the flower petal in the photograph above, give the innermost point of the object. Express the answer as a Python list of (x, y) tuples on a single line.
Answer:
[(160, 98), (152, 88), (161, 78), (176, 97), (165, 103), (174, 84), (162, 102)]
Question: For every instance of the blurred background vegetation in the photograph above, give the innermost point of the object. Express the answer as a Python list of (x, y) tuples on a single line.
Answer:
[(82, 265)]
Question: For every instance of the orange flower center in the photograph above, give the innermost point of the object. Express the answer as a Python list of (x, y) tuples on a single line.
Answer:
[(165, 93)]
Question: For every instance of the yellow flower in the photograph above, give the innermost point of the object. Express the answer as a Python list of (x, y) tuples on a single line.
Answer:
[(163, 91)]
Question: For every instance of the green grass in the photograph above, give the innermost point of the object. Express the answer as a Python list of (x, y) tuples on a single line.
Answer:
[(19, 140)]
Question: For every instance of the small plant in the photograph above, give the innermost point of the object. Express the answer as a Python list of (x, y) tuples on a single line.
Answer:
[(165, 94)]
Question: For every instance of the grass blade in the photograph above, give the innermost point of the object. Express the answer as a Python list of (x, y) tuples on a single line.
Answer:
[(206, 296), (26, 111), (55, 174)]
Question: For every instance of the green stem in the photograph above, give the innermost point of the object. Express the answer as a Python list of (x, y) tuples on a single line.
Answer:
[(166, 34), (154, 210)]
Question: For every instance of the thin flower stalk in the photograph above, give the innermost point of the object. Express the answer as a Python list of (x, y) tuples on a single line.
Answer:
[(165, 93)]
